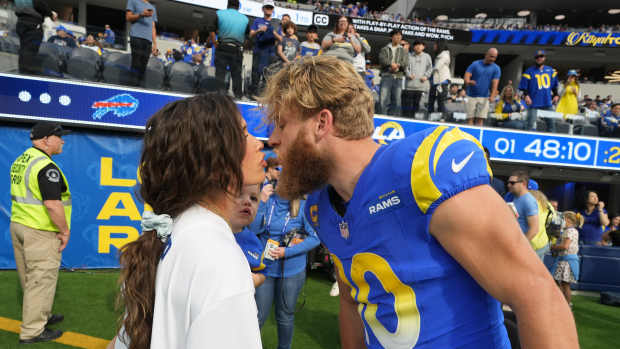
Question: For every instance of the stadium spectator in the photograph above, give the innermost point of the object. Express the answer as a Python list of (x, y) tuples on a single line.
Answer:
[(288, 48), (30, 16), (612, 231), (109, 36), (592, 111), (525, 204), (175, 295), (359, 61), (92, 44), (418, 72), (595, 217), (341, 43), (539, 84), (283, 222), (510, 108), (373, 227), (540, 242), (142, 36), (191, 49), (440, 78), (311, 47), (609, 124), (453, 93), (565, 268), (461, 96), (280, 32), (393, 59), (40, 229), (569, 95), (264, 46), (497, 184), (481, 77), (62, 37), (168, 57), (231, 28), (246, 206)]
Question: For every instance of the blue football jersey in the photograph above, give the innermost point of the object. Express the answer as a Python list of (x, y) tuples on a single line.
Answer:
[(253, 249), (539, 84), (310, 49), (411, 292)]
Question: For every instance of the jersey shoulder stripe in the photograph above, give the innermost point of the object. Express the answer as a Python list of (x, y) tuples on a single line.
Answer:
[(446, 162)]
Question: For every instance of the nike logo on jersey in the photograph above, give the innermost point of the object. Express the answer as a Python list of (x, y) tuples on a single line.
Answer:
[(457, 167)]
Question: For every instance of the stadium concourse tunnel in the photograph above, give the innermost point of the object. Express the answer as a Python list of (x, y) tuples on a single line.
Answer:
[(83, 64)]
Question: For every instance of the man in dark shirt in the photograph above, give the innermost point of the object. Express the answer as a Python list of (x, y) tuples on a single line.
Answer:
[(264, 54), (30, 15), (40, 229)]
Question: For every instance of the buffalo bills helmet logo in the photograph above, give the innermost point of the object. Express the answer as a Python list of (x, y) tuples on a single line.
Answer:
[(120, 105)]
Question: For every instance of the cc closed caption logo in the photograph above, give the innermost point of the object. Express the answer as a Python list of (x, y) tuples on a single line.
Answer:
[(321, 20)]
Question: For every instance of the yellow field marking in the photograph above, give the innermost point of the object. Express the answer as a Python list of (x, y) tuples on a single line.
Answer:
[(74, 339)]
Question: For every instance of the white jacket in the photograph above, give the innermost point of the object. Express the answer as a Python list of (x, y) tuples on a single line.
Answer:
[(441, 69)]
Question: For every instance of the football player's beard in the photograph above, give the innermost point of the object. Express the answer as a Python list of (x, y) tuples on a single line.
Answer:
[(304, 169)]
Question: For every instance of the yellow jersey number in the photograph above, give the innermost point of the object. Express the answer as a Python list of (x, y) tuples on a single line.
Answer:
[(405, 307), (543, 80)]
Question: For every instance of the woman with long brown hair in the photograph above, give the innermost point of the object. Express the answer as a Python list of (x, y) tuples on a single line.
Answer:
[(185, 283)]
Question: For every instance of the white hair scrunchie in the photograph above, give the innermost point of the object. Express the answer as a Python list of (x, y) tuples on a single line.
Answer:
[(161, 223)]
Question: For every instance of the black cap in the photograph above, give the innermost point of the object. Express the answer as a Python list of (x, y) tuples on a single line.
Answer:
[(44, 129), (312, 28)]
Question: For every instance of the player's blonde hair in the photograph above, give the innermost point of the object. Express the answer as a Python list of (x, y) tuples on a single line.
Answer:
[(311, 84)]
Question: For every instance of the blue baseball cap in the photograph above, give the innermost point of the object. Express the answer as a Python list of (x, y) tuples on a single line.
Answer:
[(532, 185), (60, 27), (572, 72), (539, 53)]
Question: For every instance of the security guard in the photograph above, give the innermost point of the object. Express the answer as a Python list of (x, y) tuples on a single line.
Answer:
[(30, 15), (232, 28), (40, 221)]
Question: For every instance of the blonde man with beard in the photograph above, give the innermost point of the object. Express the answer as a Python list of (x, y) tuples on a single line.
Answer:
[(419, 262)]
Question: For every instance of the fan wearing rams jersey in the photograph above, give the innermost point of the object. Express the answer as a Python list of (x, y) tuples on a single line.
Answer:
[(425, 248)]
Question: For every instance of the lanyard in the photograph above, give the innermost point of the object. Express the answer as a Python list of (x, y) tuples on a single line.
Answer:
[(286, 220)]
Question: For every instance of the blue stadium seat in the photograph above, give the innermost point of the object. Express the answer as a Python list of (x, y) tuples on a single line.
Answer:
[(562, 127), (182, 77), (590, 130), (9, 44), (117, 68), (51, 60), (84, 64), (155, 74), (206, 79)]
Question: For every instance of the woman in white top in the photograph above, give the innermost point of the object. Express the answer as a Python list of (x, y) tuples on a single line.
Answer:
[(440, 78), (185, 282)]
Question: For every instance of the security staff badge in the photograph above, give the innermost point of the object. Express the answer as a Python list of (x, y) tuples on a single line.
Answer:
[(344, 229)]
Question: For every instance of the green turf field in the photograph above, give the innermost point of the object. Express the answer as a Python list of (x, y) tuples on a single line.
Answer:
[(86, 298)]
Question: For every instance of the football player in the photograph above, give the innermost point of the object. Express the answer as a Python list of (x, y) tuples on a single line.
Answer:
[(425, 248)]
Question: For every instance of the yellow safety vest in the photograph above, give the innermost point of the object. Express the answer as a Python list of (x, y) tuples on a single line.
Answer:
[(28, 208)]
